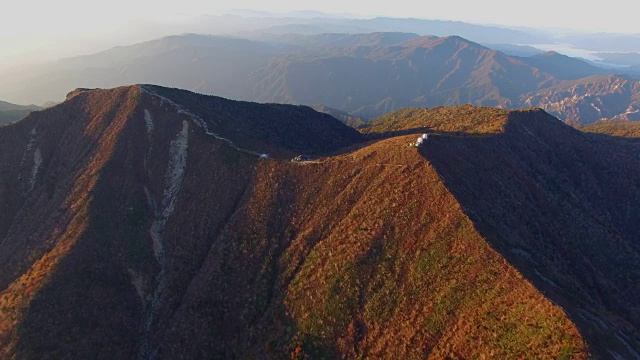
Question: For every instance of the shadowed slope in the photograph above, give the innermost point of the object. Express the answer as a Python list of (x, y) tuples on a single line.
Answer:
[(271, 128), (560, 206), (50, 193)]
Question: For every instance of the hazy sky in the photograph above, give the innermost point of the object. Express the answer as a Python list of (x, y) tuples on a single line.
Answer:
[(39, 30)]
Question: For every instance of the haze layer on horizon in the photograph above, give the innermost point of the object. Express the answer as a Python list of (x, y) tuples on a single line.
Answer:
[(36, 31)]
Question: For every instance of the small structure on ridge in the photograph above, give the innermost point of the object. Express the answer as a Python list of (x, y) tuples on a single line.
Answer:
[(301, 158), (421, 141)]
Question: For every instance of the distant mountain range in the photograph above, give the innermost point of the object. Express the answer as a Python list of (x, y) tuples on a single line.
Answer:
[(145, 221), (11, 112), (563, 67), (251, 24), (629, 58), (515, 50), (364, 75), (257, 25)]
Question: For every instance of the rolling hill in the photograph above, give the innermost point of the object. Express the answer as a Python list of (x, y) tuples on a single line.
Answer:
[(149, 222)]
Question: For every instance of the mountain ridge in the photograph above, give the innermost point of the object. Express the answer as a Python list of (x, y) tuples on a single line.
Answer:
[(144, 160), (157, 206), (409, 70), (563, 67)]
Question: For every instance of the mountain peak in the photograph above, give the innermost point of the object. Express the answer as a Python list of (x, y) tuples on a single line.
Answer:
[(78, 91), (455, 39), (432, 41), (419, 41), (75, 92), (562, 66), (279, 130)]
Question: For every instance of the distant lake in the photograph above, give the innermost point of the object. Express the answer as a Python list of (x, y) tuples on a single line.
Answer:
[(569, 50)]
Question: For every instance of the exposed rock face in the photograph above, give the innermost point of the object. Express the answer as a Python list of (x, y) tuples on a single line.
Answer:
[(150, 225), (588, 100)]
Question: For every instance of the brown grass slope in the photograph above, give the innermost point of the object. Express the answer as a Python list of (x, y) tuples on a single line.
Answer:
[(461, 119), (142, 236), (50, 169), (365, 254), (621, 136), (559, 204), (626, 129)]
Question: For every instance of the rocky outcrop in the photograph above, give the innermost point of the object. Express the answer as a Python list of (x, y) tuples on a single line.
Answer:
[(589, 100)]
